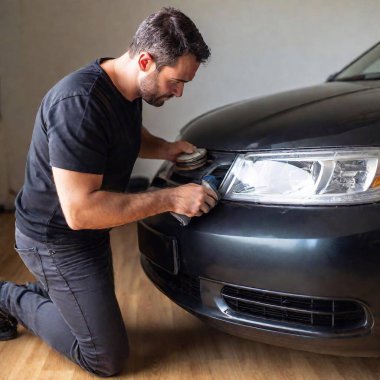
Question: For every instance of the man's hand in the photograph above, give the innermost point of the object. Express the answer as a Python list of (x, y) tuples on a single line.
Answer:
[(192, 200), (155, 147), (176, 148)]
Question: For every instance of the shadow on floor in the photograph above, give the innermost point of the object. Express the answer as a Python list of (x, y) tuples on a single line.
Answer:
[(162, 347)]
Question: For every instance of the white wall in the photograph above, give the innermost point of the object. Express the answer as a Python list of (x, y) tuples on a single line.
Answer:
[(258, 47)]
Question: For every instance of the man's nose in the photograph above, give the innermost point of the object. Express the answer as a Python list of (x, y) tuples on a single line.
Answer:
[(178, 91)]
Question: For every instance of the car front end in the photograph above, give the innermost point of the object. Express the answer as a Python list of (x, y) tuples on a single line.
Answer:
[(291, 254)]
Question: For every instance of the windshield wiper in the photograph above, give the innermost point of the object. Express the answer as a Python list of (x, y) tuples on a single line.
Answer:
[(368, 76)]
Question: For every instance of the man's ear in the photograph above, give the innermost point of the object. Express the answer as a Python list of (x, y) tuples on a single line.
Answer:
[(146, 62)]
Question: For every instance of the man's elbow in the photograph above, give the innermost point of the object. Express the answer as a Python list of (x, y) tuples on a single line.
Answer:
[(74, 225), (75, 218)]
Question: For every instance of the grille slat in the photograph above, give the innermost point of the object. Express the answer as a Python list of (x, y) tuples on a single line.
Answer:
[(259, 303), (316, 312)]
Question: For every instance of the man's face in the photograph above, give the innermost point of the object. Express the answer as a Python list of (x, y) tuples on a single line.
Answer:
[(159, 86)]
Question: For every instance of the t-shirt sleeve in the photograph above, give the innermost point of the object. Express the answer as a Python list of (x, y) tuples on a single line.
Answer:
[(76, 136)]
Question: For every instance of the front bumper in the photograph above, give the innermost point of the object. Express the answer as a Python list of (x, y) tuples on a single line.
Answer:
[(320, 260)]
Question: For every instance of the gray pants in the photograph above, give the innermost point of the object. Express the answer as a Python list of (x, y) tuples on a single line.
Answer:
[(73, 306)]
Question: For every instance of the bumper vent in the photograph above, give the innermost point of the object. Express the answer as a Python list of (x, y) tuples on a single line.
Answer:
[(180, 283), (326, 315)]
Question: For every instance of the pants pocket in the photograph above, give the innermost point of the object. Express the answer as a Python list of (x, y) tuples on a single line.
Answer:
[(33, 262)]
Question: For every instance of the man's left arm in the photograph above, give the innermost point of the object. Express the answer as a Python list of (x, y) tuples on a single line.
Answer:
[(158, 148)]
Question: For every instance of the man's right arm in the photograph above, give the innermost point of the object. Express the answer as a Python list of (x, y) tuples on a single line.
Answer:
[(85, 206)]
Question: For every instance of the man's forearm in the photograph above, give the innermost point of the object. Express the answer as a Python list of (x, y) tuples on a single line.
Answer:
[(85, 206), (103, 209), (152, 146)]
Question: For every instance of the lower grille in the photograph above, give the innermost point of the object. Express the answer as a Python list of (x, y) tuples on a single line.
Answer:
[(180, 283), (323, 314)]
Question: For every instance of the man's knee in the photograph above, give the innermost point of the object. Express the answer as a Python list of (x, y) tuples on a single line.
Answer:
[(111, 363)]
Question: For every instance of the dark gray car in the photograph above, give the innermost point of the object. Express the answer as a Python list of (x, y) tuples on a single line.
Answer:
[(291, 254)]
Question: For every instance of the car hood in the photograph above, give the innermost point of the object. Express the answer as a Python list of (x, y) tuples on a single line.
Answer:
[(334, 114)]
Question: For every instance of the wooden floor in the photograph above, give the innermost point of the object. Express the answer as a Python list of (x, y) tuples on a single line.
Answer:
[(166, 342)]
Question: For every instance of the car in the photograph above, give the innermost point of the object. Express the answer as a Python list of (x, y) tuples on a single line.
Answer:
[(290, 255)]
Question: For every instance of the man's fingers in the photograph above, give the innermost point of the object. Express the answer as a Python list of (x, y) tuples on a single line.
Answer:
[(211, 193), (190, 148), (205, 208), (211, 202), (208, 204), (185, 147)]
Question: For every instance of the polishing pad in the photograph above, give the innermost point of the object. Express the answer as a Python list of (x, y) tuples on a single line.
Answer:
[(190, 161)]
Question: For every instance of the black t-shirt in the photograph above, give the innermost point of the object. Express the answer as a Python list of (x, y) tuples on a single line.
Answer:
[(84, 124)]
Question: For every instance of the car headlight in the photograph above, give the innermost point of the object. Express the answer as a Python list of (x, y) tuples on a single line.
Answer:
[(312, 177)]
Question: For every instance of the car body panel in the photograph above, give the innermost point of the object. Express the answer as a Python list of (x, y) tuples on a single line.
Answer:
[(328, 115), (280, 248)]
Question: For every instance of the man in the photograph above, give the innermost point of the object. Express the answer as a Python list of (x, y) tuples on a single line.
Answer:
[(87, 136)]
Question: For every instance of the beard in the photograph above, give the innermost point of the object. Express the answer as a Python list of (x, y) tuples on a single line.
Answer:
[(149, 90)]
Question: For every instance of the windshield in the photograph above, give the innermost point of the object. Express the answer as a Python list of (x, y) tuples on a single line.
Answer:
[(366, 67)]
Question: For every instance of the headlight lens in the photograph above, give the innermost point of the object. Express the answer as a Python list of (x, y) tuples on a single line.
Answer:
[(318, 177)]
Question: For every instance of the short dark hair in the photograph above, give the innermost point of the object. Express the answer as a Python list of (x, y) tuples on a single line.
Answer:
[(167, 35)]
